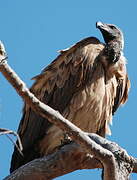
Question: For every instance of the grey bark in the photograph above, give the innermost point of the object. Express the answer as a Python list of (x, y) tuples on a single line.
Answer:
[(55, 165)]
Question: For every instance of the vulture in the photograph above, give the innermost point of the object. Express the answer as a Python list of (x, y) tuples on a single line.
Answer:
[(86, 83)]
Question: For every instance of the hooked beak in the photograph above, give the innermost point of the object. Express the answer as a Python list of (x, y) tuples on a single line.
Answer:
[(101, 25)]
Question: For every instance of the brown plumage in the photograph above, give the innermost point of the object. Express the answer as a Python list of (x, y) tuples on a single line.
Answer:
[(86, 83)]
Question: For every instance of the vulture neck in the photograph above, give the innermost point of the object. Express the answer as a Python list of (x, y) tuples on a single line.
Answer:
[(113, 50)]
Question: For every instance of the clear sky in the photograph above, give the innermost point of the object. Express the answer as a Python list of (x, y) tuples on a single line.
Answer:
[(33, 31)]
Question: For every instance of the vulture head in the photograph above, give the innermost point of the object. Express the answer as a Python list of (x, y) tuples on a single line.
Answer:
[(110, 33), (114, 40)]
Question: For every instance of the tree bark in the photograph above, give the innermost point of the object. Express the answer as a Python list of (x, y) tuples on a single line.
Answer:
[(55, 165)]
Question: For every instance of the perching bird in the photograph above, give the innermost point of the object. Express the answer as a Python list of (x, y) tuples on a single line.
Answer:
[(86, 83)]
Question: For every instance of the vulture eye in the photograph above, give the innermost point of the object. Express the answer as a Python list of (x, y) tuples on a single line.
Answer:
[(112, 27)]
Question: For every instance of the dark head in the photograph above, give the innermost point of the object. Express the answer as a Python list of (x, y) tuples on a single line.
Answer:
[(111, 32)]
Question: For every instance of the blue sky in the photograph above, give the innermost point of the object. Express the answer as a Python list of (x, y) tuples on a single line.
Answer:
[(33, 31)]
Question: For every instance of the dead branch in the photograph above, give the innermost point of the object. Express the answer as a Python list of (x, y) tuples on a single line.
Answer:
[(6, 132), (55, 165), (115, 167)]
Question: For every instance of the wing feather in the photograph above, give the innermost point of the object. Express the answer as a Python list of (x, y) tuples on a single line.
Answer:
[(123, 85)]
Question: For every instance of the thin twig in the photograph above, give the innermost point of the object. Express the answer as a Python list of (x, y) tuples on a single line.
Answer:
[(4, 131)]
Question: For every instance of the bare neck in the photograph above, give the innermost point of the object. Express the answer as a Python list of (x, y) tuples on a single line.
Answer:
[(113, 50)]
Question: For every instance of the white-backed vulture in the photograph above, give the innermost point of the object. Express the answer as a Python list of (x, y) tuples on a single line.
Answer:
[(86, 83)]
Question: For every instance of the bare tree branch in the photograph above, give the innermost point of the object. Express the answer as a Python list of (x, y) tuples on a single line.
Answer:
[(6, 132), (55, 165), (115, 167)]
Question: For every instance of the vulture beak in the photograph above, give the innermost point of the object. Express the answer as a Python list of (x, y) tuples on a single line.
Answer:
[(99, 24), (102, 26)]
